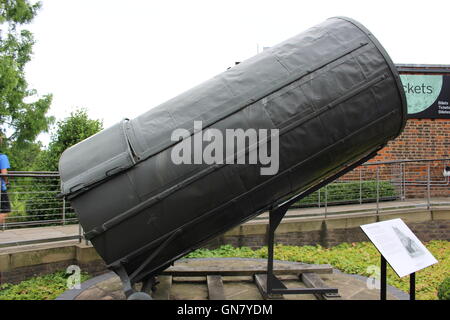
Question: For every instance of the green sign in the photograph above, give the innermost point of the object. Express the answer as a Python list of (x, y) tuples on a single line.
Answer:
[(427, 96)]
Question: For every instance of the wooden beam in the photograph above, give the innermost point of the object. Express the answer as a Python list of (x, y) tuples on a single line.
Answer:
[(215, 287), (312, 280), (184, 271)]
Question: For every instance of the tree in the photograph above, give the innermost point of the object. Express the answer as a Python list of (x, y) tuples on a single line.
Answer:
[(22, 113), (22, 156), (70, 131), (40, 203)]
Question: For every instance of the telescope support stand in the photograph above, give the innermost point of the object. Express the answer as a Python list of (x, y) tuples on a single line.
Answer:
[(273, 287), (149, 282), (269, 284)]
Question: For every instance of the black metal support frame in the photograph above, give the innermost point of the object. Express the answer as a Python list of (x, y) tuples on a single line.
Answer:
[(149, 282), (274, 285)]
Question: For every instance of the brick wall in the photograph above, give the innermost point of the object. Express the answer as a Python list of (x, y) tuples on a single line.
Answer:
[(421, 139), (22, 263)]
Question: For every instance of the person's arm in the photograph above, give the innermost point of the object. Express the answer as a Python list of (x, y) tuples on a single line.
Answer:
[(5, 171), (4, 165)]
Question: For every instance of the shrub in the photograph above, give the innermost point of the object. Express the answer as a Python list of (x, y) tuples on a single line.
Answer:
[(46, 287), (444, 289), (349, 192)]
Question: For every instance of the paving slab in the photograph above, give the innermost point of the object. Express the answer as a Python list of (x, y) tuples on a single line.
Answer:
[(38, 233)]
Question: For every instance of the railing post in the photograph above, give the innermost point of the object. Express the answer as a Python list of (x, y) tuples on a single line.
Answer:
[(326, 200), (378, 190), (318, 191), (428, 187), (402, 182), (64, 211), (360, 185)]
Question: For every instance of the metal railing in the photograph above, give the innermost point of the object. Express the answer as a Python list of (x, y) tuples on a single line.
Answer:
[(33, 201), (382, 186), (372, 188)]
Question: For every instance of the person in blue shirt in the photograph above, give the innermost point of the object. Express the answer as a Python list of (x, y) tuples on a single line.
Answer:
[(5, 207)]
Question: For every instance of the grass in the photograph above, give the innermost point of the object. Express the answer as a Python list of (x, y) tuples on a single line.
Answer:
[(46, 287), (354, 258)]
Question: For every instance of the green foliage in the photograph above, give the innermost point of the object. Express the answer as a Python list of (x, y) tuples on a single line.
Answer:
[(22, 111), (36, 197), (33, 197), (22, 156), (17, 11), (444, 289), (46, 287), (354, 258), (70, 131), (349, 191)]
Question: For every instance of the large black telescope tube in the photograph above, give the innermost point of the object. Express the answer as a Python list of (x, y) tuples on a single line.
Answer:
[(333, 95)]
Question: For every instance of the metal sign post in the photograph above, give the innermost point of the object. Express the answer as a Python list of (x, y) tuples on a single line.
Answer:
[(412, 286), (399, 246), (383, 282)]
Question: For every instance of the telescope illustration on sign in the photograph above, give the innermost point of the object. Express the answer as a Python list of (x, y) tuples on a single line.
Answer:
[(409, 244)]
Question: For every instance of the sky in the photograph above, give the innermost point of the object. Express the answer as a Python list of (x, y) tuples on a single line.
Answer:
[(118, 59)]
